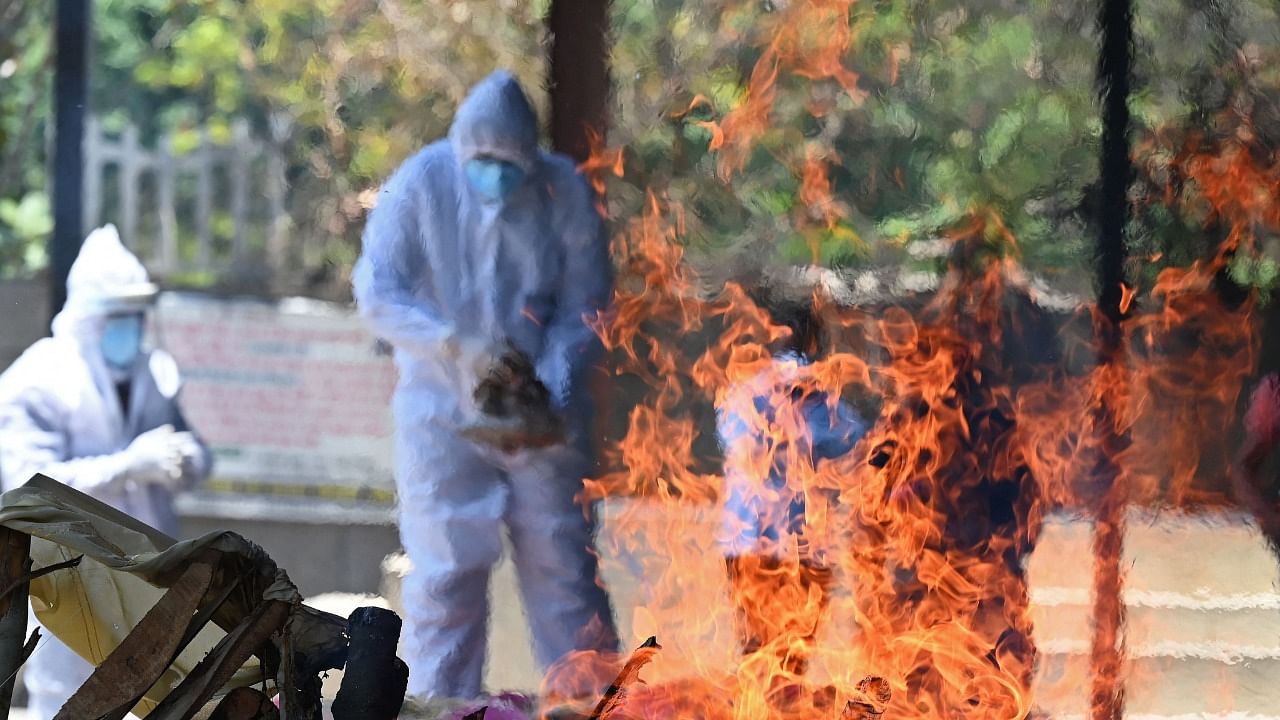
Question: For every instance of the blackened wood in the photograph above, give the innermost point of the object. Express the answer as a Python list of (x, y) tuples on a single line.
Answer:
[(375, 680), (245, 704), (27, 577), (145, 653), (15, 562), (211, 674), (630, 675)]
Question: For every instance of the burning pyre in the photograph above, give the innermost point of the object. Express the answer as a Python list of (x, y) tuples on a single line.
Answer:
[(992, 412)]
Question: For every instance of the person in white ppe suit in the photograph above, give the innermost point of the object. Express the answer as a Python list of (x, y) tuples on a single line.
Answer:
[(484, 251), (93, 408)]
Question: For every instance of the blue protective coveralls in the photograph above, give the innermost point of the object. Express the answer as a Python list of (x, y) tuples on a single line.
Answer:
[(62, 414), (447, 276)]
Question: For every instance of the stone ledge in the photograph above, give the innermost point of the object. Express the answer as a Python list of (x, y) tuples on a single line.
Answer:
[(305, 510)]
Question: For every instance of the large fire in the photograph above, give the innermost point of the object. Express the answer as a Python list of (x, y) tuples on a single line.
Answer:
[(924, 529)]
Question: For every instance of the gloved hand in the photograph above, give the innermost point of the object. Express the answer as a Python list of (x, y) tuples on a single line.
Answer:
[(194, 461), (155, 457), (511, 387), (473, 354), (515, 406)]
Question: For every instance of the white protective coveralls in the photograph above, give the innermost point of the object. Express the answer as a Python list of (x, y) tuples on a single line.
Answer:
[(446, 277), (61, 415)]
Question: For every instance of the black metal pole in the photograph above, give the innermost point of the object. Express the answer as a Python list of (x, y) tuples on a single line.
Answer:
[(71, 101), (579, 74), (1115, 65)]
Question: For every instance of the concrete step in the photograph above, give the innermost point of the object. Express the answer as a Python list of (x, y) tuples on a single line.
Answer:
[(1165, 687), (1209, 556), (1225, 636)]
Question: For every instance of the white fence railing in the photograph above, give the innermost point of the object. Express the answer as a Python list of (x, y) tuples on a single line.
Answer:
[(215, 207)]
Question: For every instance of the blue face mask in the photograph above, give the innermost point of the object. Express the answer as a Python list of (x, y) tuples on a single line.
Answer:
[(122, 340), (493, 179)]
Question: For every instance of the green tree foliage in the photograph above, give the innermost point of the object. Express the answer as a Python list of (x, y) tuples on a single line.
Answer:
[(1209, 86), (829, 131), (25, 219), (358, 84), (959, 108), (935, 110)]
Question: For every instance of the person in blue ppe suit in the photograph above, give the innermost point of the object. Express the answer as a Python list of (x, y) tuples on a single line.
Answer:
[(484, 252), (94, 408), (767, 425)]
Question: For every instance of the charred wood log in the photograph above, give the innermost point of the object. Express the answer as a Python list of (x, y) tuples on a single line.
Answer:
[(254, 633), (375, 681), (630, 674), (874, 695), (245, 704), (313, 642), (138, 662), (26, 578)]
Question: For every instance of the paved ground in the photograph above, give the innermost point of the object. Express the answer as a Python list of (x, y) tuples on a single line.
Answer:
[(1204, 617)]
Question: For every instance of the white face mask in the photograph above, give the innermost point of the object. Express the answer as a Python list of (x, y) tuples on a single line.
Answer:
[(122, 340)]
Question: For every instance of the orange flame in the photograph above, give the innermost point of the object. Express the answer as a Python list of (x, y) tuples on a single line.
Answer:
[(1127, 294), (815, 189), (602, 162), (939, 603), (809, 40), (908, 563)]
